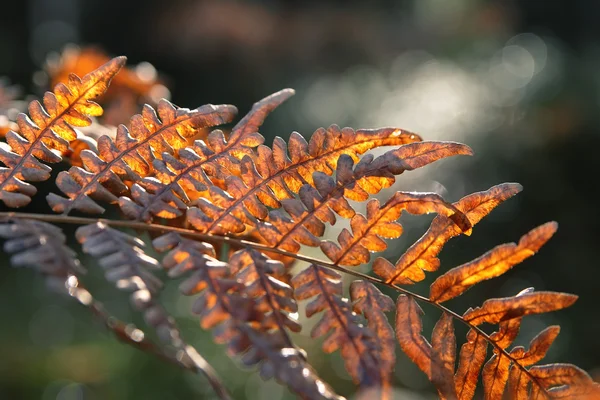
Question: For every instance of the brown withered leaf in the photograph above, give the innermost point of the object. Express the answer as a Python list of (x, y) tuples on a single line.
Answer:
[(494, 311), (372, 304), (48, 130), (518, 384), (408, 332), (261, 183), (358, 345), (422, 255), (471, 359), (495, 375), (443, 357), (538, 347), (191, 176), (508, 332), (225, 305), (130, 155), (490, 265), (355, 182), (368, 232)]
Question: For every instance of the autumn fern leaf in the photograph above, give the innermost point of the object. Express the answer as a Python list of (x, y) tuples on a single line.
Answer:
[(274, 298), (490, 265), (48, 130), (422, 255), (316, 205), (129, 156), (225, 305), (179, 179), (369, 231), (357, 343), (372, 304), (127, 265), (40, 245), (471, 359)]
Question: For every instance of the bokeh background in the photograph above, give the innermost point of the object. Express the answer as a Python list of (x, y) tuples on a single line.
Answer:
[(516, 80)]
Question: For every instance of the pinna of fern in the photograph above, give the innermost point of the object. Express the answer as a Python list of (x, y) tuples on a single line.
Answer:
[(196, 190)]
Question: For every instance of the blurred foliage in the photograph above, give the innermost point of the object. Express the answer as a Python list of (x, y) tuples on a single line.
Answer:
[(516, 80)]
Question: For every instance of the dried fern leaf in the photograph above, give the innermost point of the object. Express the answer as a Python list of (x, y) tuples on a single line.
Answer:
[(372, 304), (177, 181), (129, 156), (495, 375), (494, 311), (42, 246), (422, 255), (127, 265), (443, 356), (237, 318), (408, 333), (538, 347), (317, 205), (471, 360), (48, 130), (274, 298), (369, 231), (271, 175), (358, 344), (490, 265)]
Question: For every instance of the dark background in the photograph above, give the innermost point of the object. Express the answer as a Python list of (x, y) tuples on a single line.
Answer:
[(516, 80)]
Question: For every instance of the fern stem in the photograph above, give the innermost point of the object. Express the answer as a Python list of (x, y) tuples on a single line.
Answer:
[(245, 243), (127, 334)]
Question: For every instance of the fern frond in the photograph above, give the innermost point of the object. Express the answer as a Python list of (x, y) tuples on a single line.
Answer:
[(422, 255), (354, 182), (490, 265), (178, 180), (369, 231), (48, 130), (40, 245), (225, 304), (372, 304), (127, 265), (129, 156), (357, 343)]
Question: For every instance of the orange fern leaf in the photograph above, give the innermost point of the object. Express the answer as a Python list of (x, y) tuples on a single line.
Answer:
[(357, 343), (316, 205), (490, 265), (372, 304), (471, 359), (48, 130), (225, 304), (422, 255), (367, 232), (129, 156), (494, 311)]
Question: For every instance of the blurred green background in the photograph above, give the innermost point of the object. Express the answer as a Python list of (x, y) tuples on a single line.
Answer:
[(516, 80)]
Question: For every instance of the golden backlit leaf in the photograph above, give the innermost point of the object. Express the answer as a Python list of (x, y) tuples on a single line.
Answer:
[(471, 359), (357, 343), (46, 132), (443, 357), (408, 333), (317, 204), (370, 302), (508, 332), (494, 376), (130, 156), (369, 231), (422, 255), (538, 347), (494, 311), (490, 265)]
